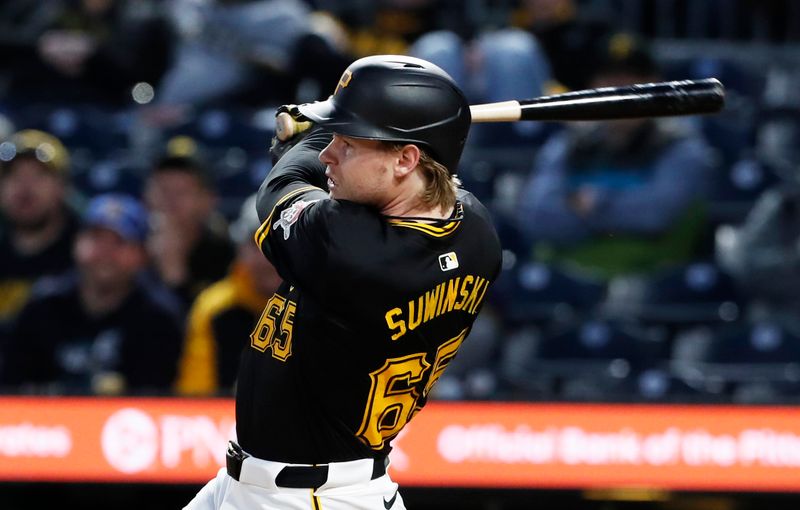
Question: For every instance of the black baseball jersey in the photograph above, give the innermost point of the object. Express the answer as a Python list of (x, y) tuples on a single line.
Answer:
[(371, 312), (55, 340), (19, 271)]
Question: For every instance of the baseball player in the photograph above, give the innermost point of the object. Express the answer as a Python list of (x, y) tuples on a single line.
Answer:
[(386, 264)]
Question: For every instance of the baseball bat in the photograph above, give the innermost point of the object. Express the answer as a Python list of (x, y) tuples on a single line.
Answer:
[(662, 99), (672, 98)]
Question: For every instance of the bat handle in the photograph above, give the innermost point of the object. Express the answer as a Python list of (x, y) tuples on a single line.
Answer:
[(287, 126)]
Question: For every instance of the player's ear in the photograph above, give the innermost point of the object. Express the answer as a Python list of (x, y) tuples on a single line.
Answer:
[(407, 159)]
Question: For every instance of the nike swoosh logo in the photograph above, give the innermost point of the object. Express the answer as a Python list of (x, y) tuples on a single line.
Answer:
[(388, 504)]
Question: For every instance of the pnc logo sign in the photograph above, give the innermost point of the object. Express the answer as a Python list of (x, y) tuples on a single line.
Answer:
[(344, 81)]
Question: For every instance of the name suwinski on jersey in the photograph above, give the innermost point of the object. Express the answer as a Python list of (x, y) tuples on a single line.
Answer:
[(456, 294)]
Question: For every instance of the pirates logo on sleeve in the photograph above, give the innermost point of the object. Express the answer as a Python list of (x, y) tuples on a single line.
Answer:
[(448, 261), (290, 215)]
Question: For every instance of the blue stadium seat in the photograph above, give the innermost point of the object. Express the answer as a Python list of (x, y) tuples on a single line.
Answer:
[(108, 176), (220, 128), (660, 384), (591, 360), (752, 362), (535, 293), (100, 132), (484, 171), (237, 176), (777, 135), (687, 295), (738, 187)]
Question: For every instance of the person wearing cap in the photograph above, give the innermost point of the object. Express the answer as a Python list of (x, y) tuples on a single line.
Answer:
[(37, 225), (101, 329), (189, 245), (223, 315), (385, 264), (616, 198)]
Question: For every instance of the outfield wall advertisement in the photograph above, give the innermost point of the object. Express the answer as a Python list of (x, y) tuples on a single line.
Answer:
[(569, 446)]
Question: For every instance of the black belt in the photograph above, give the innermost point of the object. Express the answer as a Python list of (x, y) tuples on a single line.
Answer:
[(293, 477)]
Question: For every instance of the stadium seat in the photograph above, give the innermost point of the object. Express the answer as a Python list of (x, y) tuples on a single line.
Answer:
[(590, 360), (738, 187), (752, 362), (776, 138), (686, 295), (535, 293), (108, 176), (100, 132), (238, 175), (495, 174), (221, 128)]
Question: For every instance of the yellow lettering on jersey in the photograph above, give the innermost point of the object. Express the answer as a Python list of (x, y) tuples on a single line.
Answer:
[(473, 296), (415, 319), (458, 293), (431, 298), (396, 388), (452, 292), (399, 325), (262, 336), (478, 301), (464, 292), (444, 355), (282, 345), (442, 291), (393, 398), (266, 334)]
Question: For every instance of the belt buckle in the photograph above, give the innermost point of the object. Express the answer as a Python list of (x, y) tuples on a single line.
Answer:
[(234, 456)]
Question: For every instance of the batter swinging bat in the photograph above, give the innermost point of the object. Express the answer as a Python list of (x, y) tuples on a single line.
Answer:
[(686, 97)]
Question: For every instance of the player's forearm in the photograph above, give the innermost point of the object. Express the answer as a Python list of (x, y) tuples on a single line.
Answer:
[(299, 168)]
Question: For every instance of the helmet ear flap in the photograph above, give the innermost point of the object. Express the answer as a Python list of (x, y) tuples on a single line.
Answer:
[(398, 99)]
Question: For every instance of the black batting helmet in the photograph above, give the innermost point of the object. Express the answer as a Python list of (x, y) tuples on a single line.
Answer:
[(397, 98)]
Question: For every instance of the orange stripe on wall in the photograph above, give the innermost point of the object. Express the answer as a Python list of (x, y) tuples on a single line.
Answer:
[(448, 444)]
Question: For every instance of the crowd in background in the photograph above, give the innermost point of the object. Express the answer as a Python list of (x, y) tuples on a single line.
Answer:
[(645, 259)]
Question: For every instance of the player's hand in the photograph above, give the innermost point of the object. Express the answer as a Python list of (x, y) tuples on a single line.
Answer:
[(291, 126)]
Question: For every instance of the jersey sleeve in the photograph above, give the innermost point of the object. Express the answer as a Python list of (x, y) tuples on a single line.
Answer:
[(303, 231)]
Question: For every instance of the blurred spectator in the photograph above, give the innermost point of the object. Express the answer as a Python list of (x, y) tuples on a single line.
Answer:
[(223, 316), (250, 52), (618, 197), (38, 227), (495, 66), (99, 330), (490, 63), (188, 244), (391, 26), (91, 51), (568, 34)]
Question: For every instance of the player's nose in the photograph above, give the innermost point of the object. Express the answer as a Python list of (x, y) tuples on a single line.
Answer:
[(326, 155)]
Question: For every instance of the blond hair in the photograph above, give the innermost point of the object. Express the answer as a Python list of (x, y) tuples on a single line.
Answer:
[(441, 185)]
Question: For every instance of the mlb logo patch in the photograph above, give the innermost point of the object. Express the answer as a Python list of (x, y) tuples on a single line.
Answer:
[(448, 261)]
